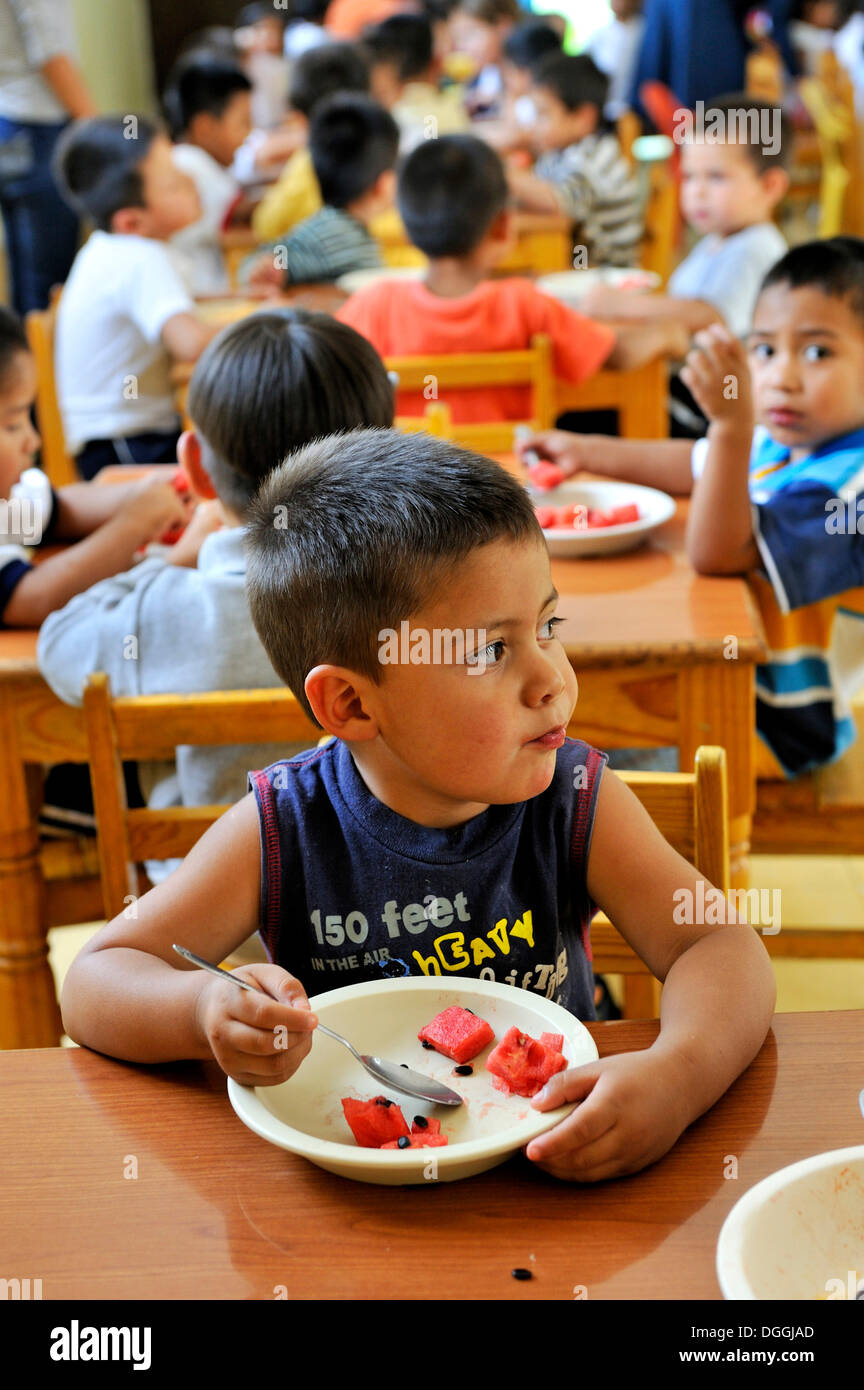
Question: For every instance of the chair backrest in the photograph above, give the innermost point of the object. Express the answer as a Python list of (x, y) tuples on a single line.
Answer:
[(663, 221), (531, 367), (689, 809), (628, 128), (40, 326)]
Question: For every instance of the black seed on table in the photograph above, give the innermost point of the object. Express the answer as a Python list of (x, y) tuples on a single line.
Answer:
[(426, 1044), (464, 1070), (522, 1274), (403, 1141), (421, 1122)]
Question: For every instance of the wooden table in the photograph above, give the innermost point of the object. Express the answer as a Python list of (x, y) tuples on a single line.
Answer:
[(217, 1213), (652, 645)]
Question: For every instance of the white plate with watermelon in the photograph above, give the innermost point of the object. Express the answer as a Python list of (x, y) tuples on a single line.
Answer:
[(306, 1115), (581, 520)]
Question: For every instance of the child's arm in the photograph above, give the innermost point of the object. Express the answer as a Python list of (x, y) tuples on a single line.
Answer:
[(81, 508), (603, 302), (716, 1008), (128, 994), (720, 536), (640, 343), (147, 513), (662, 463), (185, 336), (536, 195)]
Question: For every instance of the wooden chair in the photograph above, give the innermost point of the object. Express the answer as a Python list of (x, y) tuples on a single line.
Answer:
[(663, 221), (531, 367), (435, 421), (689, 809), (40, 325)]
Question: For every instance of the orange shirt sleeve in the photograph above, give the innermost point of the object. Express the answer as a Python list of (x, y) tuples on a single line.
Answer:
[(361, 312), (580, 345)]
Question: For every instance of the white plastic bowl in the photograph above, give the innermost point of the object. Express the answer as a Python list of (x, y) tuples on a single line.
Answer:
[(796, 1231), (566, 542), (383, 1019), (571, 286)]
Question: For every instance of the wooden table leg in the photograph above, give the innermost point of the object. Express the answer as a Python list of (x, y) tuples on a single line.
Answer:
[(29, 1013), (644, 411), (717, 704)]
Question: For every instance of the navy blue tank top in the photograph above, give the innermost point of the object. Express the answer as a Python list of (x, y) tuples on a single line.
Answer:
[(351, 891)]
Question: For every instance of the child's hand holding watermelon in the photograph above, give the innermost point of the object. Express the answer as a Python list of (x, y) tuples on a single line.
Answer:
[(631, 1113), (258, 1041)]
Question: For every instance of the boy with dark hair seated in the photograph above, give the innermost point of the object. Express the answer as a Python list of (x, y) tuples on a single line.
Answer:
[(353, 143), (208, 105), (126, 312), (451, 784), (453, 200), (404, 76)]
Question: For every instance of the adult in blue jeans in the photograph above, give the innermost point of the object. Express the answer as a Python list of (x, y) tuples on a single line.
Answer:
[(41, 89)]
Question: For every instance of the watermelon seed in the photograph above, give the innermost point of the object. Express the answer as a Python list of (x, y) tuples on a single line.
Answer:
[(464, 1070), (403, 1141), (405, 1065), (421, 1122), (424, 1043), (522, 1274), (379, 1100)]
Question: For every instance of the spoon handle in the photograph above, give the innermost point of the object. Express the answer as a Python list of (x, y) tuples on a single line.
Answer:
[(217, 970), (339, 1038)]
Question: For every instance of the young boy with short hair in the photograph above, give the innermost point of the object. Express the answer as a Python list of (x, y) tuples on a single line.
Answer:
[(111, 523), (126, 312), (778, 504), (446, 781), (581, 171), (353, 143), (453, 199), (404, 75), (208, 104)]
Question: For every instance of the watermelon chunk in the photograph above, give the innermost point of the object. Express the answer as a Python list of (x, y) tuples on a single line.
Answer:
[(419, 1141), (622, 516), (546, 475), (432, 1126), (373, 1122), (554, 1041), (523, 1062), (547, 517), (457, 1033)]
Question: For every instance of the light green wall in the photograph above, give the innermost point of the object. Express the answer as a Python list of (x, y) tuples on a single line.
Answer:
[(115, 51)]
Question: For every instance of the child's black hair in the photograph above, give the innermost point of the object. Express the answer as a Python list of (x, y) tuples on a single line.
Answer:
[(201, 82), (270, 383), (404, 40), (325, 71), (575, 80), (255, 13), (490, 11), (527, 44), (97, 165), (450, 191), (834, 266), (351, 535), (744, 115), (13, 340), (352, 141)]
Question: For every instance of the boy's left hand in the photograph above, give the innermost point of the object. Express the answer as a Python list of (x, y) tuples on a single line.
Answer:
[(718, 377), (633, 1109)]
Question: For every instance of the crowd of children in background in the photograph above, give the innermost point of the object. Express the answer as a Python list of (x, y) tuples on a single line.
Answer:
[(317, 132)]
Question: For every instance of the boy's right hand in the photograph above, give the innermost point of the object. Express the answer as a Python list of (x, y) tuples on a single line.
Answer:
[(154, 506), (256, 1039), (568, 451)]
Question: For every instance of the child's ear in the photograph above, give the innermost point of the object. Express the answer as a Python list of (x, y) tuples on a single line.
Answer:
[(336, 696), (130, 222), (501, 228), (189, 458), (385, 186), (775, 181)]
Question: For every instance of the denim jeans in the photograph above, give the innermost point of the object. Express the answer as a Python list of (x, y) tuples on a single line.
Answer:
[(41, 230)]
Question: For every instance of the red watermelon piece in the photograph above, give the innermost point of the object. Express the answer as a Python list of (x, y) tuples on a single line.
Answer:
[(419, 1141), (374, 1122), (546, 475), (523, 1062), (547, 517), (457, 1033), (622, 516), (432, 1126), (554, 1041)]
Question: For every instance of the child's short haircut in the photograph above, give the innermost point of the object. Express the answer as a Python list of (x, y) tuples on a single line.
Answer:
[(97, 164), (834, 266), (270, 383), (450, 191), (490, 11), (528, 43), (324, 71), (352, 142), (13, 340), (255, 13), (575, 80), (201, 82), (352, 535), (768, 138), (404, 40)]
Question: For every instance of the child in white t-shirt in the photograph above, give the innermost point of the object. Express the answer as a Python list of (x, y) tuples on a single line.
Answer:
[(126, 312), (615, 50), (116, 521), (208, 104)]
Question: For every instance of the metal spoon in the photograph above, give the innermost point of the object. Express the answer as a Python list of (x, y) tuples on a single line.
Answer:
[(398, 1078)]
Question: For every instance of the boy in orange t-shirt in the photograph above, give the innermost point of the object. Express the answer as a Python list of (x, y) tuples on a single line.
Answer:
[(453, 201)]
